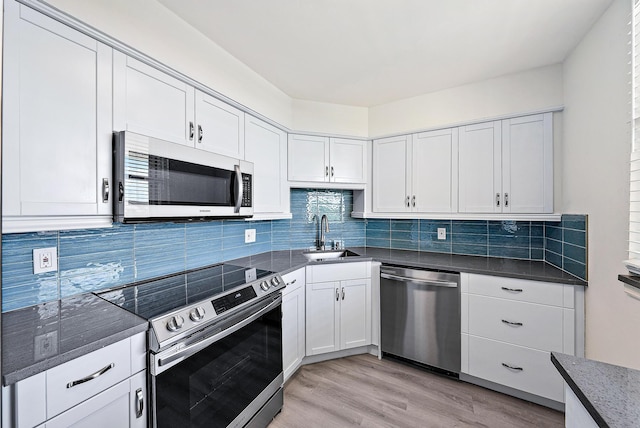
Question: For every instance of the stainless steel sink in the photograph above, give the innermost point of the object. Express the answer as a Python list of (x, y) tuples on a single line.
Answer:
[(316, 255)]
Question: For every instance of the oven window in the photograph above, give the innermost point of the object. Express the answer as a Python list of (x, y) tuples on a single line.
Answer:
[(212, 387), (174, 182)]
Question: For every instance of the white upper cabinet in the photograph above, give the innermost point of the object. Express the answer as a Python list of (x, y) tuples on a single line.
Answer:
[(326, 160), (219, 127), (416, 173), (391, 174), (507, 166), (266, 146), (479, 165), (56, 141), (150, 102), (348, 161), (527, 164), (435, 172)]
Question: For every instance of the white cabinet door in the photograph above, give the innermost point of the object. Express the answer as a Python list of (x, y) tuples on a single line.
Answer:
[(391, 175), (219, 127), (527, 164), (308, 158), (348, 161), (479, 166), (57, 129), (322, 317), (435, 171), (293, 329), (150, 102), (266, 147), (355, 313)]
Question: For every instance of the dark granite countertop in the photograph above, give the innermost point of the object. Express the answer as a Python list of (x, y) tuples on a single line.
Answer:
[(39, 337), (611, 394), (285, 261)]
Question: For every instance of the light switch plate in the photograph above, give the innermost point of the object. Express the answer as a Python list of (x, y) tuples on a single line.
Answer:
[(45, 260), (249, 236)]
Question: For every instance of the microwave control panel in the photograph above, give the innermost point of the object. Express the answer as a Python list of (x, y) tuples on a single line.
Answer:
[(247, 190)]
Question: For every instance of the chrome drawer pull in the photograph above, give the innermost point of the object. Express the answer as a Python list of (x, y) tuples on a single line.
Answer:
[(518, 324), (519, 369), (515, 290), (91, 376), (292, 282), (337, 294)]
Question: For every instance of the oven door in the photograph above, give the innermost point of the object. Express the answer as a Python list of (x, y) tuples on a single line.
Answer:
[(223, 379)]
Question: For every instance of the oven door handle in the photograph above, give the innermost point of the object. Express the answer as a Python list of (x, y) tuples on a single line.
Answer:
[(187, 351)]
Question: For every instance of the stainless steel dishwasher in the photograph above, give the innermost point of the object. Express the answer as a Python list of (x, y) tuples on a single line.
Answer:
[(420, 316)]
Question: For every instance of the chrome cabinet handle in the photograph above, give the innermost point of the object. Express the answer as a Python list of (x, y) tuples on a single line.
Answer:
[(514, 290), (408, 202), (91, 376), (190, 131), (139, 403), (512, 367), (105, 190), (337, 294), (332, 171), (292, 282), (120, 191), (413, 201), (518, 324), (506, 199), (326, 171), (497, 199), (200, 134), (342, 293)]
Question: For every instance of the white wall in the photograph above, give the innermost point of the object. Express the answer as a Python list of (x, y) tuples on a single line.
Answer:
[(337, 119), (595, 178), (532, 90)]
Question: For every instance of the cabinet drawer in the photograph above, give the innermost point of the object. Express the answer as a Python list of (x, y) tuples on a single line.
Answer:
[(532, 370), (533, 325), (338, 271), (518, 289), (60, 396), (293, 280)]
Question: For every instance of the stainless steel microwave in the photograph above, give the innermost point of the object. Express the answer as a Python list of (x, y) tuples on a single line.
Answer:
[(158, 180)]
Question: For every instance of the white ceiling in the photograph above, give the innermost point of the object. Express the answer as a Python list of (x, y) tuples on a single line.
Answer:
[(371, 52)]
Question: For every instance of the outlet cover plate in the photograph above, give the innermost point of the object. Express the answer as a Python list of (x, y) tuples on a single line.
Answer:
[(249, 236), (45, 260), (442, 233)]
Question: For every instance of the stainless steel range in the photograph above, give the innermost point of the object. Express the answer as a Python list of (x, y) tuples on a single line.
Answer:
[(215, 345)]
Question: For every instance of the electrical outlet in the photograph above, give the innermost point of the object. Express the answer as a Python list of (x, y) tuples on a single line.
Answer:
[(442, 233), (45, 260), (249, 236), (45, 345)]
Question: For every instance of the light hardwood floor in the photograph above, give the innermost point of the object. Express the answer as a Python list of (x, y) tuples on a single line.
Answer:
[(364, 391)]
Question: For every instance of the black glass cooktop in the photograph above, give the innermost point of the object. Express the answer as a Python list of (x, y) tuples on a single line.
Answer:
[(155, 297)]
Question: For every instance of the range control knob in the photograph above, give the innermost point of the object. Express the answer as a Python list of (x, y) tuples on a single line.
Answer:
[(275, 281), (264, 285), (196, 314), (175, 323)]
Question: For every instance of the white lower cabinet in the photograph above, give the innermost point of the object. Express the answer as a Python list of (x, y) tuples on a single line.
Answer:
[(105, 388), (575, 414), (293, 321), (338, 307), (510, 326)]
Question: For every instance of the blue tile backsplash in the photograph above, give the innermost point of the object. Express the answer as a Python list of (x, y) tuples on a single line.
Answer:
[(95, 259)]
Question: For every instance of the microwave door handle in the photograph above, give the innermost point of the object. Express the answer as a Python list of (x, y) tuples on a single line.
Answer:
[(239, 187)]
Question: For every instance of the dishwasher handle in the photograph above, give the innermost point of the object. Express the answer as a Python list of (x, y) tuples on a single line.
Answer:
[(433, 282)]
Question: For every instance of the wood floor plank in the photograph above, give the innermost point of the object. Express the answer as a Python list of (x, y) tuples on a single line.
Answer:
[(367, 392)]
